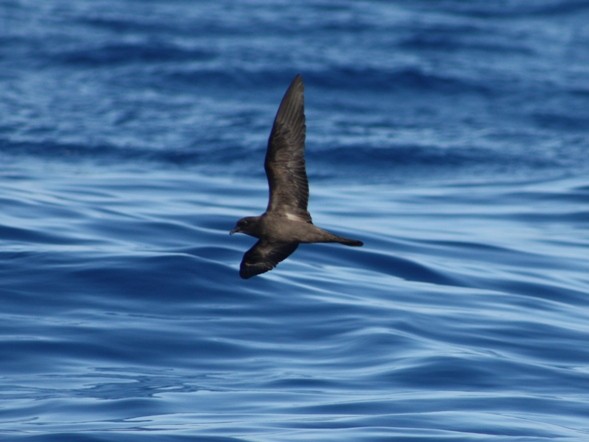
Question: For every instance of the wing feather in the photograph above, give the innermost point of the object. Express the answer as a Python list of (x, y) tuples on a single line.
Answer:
[(285, 157), (264, 256)]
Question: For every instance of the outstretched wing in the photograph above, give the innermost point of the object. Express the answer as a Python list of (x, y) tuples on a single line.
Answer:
[(264, 256), (285, 157)]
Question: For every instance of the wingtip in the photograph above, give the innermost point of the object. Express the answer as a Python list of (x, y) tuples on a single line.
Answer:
[(291, 111), (249, 273), (244, 274), (297, 81)]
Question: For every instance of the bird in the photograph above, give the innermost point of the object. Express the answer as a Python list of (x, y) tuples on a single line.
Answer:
[(286, 223)]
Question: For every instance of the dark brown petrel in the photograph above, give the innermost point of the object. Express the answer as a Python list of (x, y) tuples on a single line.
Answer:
[(286, 222)]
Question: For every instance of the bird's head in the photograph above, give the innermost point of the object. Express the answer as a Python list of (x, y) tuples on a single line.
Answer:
[(248, 225)]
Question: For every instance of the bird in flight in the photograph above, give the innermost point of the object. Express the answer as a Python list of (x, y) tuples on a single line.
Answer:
[(286, 222)]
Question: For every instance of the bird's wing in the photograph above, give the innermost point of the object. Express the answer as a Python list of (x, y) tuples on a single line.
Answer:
[(264, 256), (285, 157)]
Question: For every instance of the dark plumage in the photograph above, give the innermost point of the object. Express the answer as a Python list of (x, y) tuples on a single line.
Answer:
[(286, 222)]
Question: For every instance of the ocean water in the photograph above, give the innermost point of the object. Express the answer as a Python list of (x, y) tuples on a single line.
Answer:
[(450, 136)]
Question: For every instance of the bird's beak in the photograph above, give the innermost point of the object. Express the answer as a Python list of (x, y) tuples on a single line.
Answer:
[(234, 230)]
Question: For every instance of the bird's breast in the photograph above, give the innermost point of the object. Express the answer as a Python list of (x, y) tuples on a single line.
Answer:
[(284, 227)]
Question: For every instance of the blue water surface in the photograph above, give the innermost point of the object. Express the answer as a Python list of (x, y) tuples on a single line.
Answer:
[(450, 136)]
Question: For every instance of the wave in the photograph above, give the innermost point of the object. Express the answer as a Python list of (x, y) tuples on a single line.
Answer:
[(146, 53), (509, 10), (376, 164)]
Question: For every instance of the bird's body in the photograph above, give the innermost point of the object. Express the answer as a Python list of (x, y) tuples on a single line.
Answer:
[(286, 222), (285, 227)]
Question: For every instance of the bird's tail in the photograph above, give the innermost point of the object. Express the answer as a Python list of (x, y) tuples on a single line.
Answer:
[(320, 235), (330, 237), (349, 242)]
